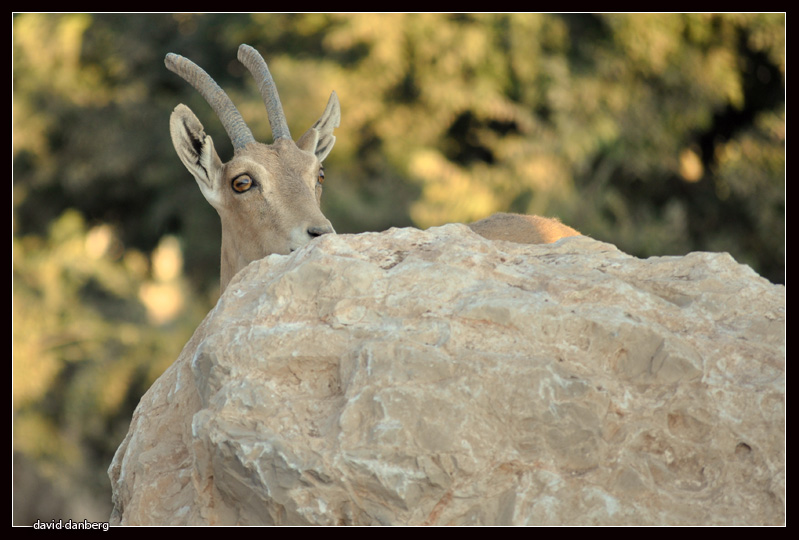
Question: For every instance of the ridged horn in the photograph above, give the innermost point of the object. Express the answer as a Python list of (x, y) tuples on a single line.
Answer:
[(255, 63), (240, 135)]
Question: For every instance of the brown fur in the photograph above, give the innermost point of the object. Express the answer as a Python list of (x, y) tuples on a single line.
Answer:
[(522, 229)]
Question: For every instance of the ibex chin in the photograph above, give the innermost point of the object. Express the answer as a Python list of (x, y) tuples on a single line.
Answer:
[(267, 196)]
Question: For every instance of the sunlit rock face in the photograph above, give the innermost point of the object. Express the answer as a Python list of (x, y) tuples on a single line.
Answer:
[(435, 377)]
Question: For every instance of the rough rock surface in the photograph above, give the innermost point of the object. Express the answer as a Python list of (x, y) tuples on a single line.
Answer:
[(435, 377)]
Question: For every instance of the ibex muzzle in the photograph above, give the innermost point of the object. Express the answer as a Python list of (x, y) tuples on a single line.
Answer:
[(267, 196)]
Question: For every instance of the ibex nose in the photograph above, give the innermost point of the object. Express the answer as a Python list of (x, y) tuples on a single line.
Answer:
[(317, 230)]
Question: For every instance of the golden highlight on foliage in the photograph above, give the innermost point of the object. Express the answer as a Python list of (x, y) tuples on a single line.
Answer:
[(691, 167), (447, 192), (164, 296)]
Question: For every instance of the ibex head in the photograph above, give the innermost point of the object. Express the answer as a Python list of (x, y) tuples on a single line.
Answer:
[(267, 196)]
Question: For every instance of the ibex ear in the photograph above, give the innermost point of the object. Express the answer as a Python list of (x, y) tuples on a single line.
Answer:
[(196, 151), (320, 139)]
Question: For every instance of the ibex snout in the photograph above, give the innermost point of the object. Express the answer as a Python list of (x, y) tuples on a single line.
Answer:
[(317, 230), (303, 234)]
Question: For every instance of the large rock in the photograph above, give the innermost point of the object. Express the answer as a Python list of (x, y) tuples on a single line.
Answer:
[(435, 377)]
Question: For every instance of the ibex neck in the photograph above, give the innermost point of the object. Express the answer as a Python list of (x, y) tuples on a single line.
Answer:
[(232, 260)]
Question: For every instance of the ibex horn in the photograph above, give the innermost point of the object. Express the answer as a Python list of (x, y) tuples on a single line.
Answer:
[(257, 66), (240, 135)]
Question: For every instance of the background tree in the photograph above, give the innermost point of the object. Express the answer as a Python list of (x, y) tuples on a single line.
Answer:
[(661, 134)]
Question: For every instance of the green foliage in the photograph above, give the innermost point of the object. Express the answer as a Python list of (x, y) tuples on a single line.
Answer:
[(662, 134), (94, 326)]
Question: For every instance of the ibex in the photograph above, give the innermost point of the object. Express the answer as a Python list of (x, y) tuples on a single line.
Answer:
[(267, 196)]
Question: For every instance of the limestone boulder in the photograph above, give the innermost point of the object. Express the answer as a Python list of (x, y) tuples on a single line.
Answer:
[(435, 377)]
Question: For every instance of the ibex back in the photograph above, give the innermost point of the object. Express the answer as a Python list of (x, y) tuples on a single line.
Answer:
[(267, 196), (522, 229)]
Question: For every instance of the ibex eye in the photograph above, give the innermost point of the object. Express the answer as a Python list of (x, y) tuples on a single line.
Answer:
[(242, 183), (321, 176)]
